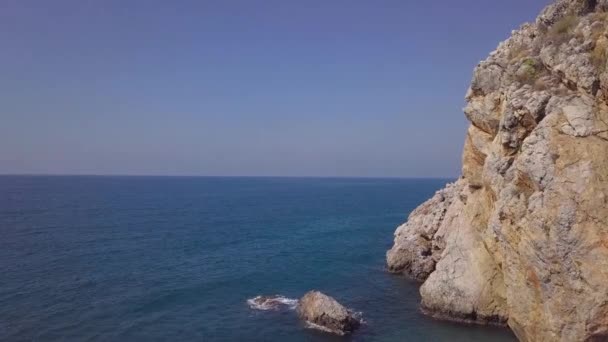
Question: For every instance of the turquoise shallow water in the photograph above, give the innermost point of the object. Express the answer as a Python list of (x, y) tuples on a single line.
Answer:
[(176, 258)]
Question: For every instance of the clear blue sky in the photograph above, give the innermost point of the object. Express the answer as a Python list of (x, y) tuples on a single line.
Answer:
[(248, 87)]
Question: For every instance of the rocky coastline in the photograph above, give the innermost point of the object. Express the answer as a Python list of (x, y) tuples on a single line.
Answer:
[(521, 238)]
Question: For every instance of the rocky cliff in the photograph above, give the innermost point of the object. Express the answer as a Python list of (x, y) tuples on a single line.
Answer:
[(522, 236)]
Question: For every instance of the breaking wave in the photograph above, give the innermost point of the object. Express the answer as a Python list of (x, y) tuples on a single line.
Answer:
[(276, 302)]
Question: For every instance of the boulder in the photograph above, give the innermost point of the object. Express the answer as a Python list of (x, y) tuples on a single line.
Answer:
[(325, 313)]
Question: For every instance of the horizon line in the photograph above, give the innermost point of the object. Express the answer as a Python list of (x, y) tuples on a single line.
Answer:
[(214, 176)]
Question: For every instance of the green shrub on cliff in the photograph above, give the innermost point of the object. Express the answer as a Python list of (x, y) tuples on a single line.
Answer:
[(563, 29), (529, 71), (599, 55)]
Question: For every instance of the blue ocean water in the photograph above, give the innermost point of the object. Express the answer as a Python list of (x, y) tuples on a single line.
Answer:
[(176, 258)]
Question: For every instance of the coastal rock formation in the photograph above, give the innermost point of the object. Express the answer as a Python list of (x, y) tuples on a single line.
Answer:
[(522, 236), (325, 313)]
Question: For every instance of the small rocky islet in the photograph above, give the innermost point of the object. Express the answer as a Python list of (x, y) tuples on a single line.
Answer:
[(325, 313), (316, 309)]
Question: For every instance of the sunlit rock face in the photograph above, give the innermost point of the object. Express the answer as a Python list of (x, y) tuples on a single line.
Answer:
[(324, 313), (522, 236)]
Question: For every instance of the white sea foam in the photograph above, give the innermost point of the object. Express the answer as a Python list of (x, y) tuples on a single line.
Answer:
[(310, 325), (276, 302), (358, 315)]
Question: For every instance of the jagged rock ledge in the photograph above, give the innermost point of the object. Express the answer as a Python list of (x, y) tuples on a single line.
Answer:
[(464, 318), (522, 236)]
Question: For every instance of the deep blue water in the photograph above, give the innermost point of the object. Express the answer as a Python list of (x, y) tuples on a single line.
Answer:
[(176, 258)]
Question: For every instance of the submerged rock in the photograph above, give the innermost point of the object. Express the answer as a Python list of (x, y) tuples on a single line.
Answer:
[(325, 313), (522, 236), (275, 302)]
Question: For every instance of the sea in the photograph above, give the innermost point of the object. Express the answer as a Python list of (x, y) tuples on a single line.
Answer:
[(125, 258)]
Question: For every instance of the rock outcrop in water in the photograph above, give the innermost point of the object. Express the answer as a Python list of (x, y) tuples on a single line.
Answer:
[(325, 313), (276, 302), (522, 237)]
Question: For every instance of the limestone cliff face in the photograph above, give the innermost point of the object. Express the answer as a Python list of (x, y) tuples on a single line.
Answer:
[(522, 237)]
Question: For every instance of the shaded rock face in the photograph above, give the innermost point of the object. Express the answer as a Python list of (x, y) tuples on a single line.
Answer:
[(522, 236), (325, 313)]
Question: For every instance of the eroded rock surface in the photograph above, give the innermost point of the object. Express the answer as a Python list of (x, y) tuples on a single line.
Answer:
[(325, 313), (522, 236)]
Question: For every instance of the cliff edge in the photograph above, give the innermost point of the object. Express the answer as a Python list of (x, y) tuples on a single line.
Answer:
[(521, 238)]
